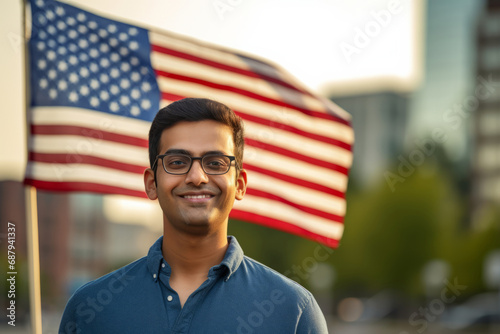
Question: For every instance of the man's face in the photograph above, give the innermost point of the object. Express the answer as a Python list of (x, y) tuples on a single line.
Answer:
[(196, 203)]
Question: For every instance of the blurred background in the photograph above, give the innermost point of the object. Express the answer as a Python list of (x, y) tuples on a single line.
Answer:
[(421, 79)]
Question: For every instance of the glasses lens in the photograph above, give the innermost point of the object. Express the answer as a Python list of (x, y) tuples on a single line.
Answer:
[(216, 164), (176, 164)]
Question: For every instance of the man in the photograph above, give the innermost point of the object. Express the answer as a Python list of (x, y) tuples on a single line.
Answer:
[(195, 279)]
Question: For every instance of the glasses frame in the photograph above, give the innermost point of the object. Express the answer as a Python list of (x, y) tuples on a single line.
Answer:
[(161, 156)]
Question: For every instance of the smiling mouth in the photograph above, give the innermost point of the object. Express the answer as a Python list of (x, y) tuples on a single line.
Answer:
[(196, 196)]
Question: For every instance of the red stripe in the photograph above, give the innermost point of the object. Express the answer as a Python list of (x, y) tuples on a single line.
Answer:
[(282, 226), (75, 158), (94, 134), (83, 186), (312, 211), (282, 126), (317, 114), (295, 155), (294, 180), (204, 61)]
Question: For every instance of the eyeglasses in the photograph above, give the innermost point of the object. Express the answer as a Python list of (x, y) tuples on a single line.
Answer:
[(179, 164)]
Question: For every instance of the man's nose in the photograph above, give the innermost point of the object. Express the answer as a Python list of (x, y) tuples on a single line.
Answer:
[(196, 174)]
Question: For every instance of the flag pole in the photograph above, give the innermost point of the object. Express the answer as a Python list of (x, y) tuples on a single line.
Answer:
[(33, 260), (32, 239)]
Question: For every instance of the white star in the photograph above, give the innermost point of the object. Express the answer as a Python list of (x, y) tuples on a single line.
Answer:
[(94, 84), (62, 66), (84, 57), (73, 60), (144, 70), (114, 106), (145, 104), (114, 89), (73, 78), (51, 43), (43, 83), (124, 84), (114, 73), (62, 39), (82, 29), (93, 38), (52, 74), (83, 43), (124, 100), (93, 67), (135, 76), (60, 11), (104, 62), (42, 35), (94, 53), (84, 90), (112, 28), (51, 30), (133, 31), (42, 20), (113, 42), (125, 67), (123, 51), (50, 15), (123, 36), (104, 47), (73, 97), (104, 78), (146, 87), (61, 25), (134, 61), (103, 33), (135, 93), (72, 47), (115, 57), (62, 85), (42, 64), (94, 101), (52, 93), (40, 46), (72, 34), (92, 25), (62, 50), (84, 72), (104, 95), (71, 21), (135, 110), (133, 45), (51, 55), (81, 17)]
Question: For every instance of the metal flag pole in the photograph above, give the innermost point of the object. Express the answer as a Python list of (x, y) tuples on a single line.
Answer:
[(31, 205)]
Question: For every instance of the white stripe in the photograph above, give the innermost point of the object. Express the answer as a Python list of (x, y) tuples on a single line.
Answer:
[(280, 211), (84, 173), (299, 144), (74, 146), (296, 168), (261, 109), (98, 121), (297, 194), (209, 73)]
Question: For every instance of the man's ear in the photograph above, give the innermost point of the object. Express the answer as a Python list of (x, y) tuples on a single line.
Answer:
[(150, 184), (241, 185)]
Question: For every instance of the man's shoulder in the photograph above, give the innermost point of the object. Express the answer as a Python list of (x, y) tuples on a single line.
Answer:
[(266, 276), (116, 280)]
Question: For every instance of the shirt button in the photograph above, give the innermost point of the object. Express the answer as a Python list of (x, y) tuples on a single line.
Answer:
[(154, 275), (163, 265), (169, 298)]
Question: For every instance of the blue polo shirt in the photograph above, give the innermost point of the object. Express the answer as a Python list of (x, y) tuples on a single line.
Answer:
[(240, 296)]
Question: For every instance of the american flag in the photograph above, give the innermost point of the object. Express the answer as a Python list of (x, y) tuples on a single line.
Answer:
[(96, 84)]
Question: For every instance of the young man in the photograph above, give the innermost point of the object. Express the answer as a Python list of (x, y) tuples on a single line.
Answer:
[(195, 279)]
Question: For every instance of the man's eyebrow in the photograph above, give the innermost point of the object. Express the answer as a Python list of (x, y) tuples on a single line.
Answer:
[(186, 152)]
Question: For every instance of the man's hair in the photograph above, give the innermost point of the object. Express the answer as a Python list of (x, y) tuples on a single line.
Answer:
[(192, 110)]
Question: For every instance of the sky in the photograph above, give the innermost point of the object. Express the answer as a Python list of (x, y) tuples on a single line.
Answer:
[(333, 46)]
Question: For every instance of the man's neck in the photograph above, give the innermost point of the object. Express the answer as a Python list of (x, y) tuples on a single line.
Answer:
[(193, 254)]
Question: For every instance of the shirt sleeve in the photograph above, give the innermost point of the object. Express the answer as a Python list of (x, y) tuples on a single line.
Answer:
[(312, 320)]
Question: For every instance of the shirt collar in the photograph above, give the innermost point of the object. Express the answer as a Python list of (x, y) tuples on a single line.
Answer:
[(232, 258)]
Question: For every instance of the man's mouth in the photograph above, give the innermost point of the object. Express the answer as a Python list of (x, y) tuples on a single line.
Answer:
[(196, 196)]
